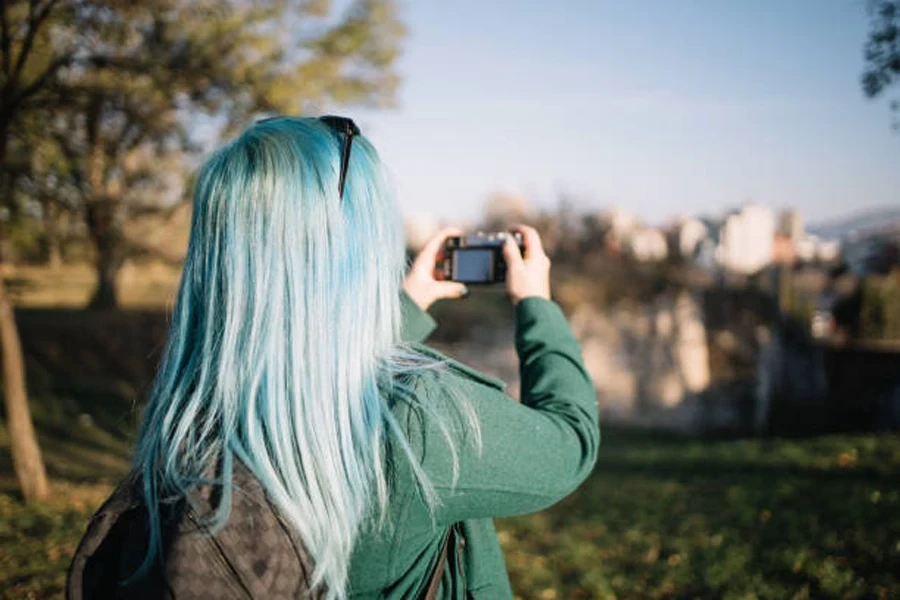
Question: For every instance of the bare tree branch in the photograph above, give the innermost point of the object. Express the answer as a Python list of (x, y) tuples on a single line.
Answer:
[(30, 34), (41, 80), (5, 42), (36, 18)]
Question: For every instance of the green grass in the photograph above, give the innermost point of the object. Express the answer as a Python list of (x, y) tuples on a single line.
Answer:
[(668, 518), (37, 541), (659, 518)]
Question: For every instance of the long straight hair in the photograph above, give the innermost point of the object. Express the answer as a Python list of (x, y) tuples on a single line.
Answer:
[(285, 341)]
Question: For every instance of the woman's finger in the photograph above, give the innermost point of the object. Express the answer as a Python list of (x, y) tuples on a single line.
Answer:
[(531, 238), (451, 289), (511, 253), (434, 245)]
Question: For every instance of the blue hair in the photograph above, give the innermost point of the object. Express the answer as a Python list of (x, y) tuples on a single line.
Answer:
[(285, 343)]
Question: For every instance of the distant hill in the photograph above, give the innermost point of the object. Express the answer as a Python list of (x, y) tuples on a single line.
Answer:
[(861, 222)]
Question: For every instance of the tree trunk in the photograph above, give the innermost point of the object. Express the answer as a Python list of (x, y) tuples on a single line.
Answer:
[(106, 295), (51, 231), (26, 454), (54, 254), (110, 256), (102, 216)]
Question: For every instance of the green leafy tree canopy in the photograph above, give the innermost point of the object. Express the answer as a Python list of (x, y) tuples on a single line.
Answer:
[(882, 50)]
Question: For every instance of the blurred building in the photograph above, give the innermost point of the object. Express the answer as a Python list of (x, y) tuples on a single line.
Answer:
[(828, 251), (617, 226), (688, 233), (620, 223), (783, 250), (790, 225), (812, 249), (647, 245), (746, 240)]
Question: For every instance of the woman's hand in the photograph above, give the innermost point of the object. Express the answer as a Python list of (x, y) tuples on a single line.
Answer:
[(527, 275), (421, 283)]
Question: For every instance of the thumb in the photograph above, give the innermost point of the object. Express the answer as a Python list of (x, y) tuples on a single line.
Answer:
[(511, 253), (451, 289), (433, 246)]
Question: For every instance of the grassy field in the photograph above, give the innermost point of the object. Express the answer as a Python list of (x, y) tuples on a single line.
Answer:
[(669, 518), (661, 517)]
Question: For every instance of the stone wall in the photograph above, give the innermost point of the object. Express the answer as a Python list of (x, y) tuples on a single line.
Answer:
[(717, 360), (650, 363)]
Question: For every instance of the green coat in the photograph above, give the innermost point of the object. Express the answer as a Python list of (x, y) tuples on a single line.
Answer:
[(533, 454)]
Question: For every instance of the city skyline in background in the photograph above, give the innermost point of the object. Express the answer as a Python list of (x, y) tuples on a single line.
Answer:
[(663, 109)]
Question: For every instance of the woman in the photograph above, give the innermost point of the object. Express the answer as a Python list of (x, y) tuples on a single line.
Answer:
[(298, 440)]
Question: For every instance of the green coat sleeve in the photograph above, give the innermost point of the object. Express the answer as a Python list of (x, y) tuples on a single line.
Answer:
[(416, 324), (532, 453)]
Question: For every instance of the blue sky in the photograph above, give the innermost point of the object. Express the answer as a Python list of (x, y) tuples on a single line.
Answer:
[(664, 107)]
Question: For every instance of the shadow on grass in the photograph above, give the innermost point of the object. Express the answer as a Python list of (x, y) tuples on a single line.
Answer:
[(88, 373), (76, 455), (693, 470)]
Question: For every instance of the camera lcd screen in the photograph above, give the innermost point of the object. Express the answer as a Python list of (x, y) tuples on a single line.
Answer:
[(474, 265)]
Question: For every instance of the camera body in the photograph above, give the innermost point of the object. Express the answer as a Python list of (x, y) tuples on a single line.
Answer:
[(477, 258)]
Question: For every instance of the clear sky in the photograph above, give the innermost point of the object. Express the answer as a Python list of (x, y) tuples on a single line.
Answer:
[(664, 107)]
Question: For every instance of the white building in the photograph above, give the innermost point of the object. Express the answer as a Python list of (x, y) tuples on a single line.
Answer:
[(805, 249), (828, 250), (791, 225), (622, 224), (746, 239), (647, 245), (811, 248), (689, 232)]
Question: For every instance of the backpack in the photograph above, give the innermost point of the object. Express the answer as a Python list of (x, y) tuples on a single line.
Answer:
[(255, 555)]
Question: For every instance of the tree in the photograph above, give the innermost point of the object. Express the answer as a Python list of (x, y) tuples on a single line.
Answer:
[(560, 230), (115, 85), (26, 454), (43, 199), (25, 73), (595, 230), (882, 50), (158, 64), (880, 311)]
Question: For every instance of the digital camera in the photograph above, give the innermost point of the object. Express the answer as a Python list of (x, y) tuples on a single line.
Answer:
[(477, 257)]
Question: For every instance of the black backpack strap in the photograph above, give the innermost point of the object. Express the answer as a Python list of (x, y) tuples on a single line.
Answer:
[(431, 592)]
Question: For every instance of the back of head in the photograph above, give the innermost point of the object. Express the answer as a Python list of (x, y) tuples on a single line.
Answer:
[(287, 313)]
